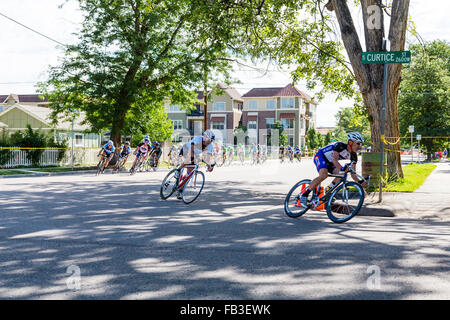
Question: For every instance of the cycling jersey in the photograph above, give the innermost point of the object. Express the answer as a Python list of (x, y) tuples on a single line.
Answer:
[(323, 158), (197, 141), (108, 151), (125, 150), (142, 149), (157, 152)]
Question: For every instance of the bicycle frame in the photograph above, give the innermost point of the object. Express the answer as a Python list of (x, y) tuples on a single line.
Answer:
[(184, 179), (343, 180)]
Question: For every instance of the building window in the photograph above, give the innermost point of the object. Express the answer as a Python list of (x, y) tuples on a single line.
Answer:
[(291, 140), (218, 125), (287, 103), (270, 104), (253, 105), (78, 139), (219, 106), (251, 125), (173, 108), (177, 124), (287, 123), (270, 123)]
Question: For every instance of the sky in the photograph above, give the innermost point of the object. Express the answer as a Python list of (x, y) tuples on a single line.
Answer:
[(25, 55)]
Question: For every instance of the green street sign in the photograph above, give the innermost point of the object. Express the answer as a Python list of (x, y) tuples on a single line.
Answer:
[(381, 57)]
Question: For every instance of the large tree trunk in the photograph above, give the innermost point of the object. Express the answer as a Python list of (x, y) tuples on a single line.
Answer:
[(369, 77)]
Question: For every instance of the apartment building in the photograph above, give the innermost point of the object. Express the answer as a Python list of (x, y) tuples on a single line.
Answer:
[(224, 114), (264, 106)]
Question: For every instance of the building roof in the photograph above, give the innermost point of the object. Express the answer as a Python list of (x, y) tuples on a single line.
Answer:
[(43, 114), (23, 98), (232, 92), (287, 91), (325, 130)]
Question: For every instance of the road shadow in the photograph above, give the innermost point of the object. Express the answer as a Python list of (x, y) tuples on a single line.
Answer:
[(118, 240)]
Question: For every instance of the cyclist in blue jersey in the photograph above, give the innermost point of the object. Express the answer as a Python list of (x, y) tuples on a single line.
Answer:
[(156, 152), (125, 151), (107, 151), (327, 161)]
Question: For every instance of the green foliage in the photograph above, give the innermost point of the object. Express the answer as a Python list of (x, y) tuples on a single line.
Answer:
[(5, 154), (351, 119), (300, 33), (282, 135), (328, 138), (424, 98), (133, 55), (314, 139), (31, 139)]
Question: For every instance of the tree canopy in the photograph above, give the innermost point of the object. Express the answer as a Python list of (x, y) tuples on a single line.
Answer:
[(424, 99)]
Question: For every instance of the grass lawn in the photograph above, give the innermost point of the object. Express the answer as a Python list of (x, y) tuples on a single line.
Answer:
[(63, 169), (414, 175), (4, 172)]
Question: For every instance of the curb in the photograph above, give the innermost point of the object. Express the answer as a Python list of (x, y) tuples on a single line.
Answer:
[(47, 174)]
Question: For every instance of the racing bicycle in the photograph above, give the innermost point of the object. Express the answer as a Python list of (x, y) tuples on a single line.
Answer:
[(188, 185), (137, 165), (342, 202), (119, 164), (101, 164)]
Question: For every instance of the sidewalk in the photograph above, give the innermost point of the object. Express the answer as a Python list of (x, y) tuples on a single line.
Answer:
[(430, 201)]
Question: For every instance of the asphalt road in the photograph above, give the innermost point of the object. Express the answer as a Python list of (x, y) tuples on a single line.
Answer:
[(112, 237)]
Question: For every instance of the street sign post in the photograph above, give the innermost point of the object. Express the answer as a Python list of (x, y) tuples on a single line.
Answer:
[(384, 57)]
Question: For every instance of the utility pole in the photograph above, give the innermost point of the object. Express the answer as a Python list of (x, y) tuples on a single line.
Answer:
[(72, 140), (205, 99)]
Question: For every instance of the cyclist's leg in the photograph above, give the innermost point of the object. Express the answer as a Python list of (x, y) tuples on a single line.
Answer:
[(108, 159), (323, 174), (322, 168)]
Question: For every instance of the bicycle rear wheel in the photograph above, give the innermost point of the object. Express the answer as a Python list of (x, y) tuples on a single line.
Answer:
[(345, 202), (292, 206), (169, 185), (193, 187)]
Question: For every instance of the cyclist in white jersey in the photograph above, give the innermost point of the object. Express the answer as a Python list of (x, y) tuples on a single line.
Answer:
[(327, 161), (192, 150)]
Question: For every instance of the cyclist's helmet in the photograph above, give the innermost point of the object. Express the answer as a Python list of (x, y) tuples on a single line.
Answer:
[(209, 134), (355, 136), (146, 139), (156, 143), (111, 143), (127, 142)]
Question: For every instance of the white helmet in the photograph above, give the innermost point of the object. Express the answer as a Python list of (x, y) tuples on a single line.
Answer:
[(110, 143), (209, 134), (147, 139), (355, 136)]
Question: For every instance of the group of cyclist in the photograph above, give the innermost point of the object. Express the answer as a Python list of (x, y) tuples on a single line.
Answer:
[(142, 152), (290, 152), (326, 159)]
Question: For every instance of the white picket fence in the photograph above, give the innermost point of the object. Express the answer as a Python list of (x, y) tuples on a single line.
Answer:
[(50, 158)]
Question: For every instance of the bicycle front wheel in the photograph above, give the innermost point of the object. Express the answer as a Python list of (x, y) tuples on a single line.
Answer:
[(345, 202), (292, 206), (193, 187), (169, 185)]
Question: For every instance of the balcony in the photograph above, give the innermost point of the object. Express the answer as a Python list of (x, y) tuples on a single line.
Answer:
[(195, 113)]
